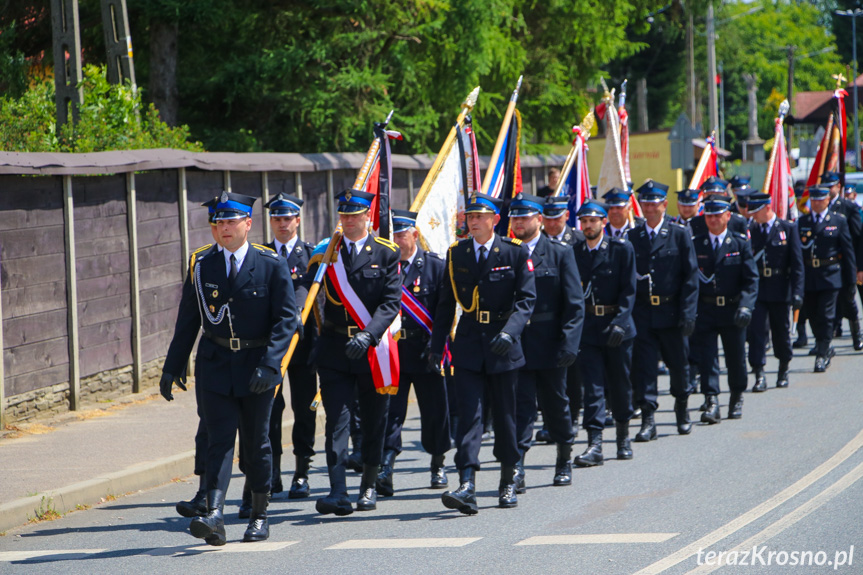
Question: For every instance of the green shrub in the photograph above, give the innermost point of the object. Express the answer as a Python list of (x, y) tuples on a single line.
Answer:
[(112, 117)]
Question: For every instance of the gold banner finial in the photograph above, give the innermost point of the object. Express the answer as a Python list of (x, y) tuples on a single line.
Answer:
[(470, 101), (840, 80)]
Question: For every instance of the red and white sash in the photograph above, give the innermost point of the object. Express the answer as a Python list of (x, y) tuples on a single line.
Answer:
[(383, 358)]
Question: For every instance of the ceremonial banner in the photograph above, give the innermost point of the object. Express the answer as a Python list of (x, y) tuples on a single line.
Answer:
[(778, 181), (611, 173), (574, 178), (831, 150)]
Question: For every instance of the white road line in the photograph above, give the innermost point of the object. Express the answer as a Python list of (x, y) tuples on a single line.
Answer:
[(756, 512), (238, 547), (404, 543), (27, 555), (592, 538), (788, 520)]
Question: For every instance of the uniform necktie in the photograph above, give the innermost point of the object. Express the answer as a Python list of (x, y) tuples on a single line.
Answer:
[(404, 266), (715, 244), (764, 229), (284, 251), (617, 233), (652, 235), (349, 253), (817, 219), (481, 259), (234, 270)]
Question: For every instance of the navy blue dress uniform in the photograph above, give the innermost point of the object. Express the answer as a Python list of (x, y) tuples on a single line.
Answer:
[(713, 186), (687, 197), (550, 343), (302, 379), (247, 316), (372, 270), (665, 304), (497, 296), (618, 197), (727, 294), (779, 257), (197, 506), (422, 278), (740, 188), (608, 280), (830, 268), (848, 208)]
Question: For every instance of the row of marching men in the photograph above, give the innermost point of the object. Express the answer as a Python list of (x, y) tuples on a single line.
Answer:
[(557, 317)]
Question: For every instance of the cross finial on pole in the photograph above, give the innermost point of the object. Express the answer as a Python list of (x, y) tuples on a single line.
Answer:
[(840, 80)]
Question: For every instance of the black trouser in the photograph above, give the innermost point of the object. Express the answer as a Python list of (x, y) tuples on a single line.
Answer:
[(574, 391), (820, 309), (303, 383), (848, 309), (201, 440), (707, 328), (224, 416), (338, 389), (471, 395), (777, 315), (600, 364), (548, 386), (651, 344), (430, 389)]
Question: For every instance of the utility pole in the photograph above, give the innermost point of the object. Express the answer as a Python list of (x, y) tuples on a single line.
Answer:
[(118, 43), (721, 107), (790, 54), (690, 43), (711, 69), (67, 60)]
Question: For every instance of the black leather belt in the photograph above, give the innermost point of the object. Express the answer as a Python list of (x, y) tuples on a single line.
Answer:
[(770, 272), (350, 330), (817, 263), (602, 310), (720, 300), (544, 316), (412, 333), (655, 299), (235, 343), (481, 316)]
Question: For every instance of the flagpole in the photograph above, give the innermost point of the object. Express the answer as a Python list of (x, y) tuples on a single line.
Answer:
[(466, 107), (501, 136), (374, 150), (582, 130), (702, 165)]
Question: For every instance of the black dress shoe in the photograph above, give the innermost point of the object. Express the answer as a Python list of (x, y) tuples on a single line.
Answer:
[(258, 528), (711, 414), (543, 436), (624, 449), (563, 466), (662, 369), (681, 414), (519, 476), (196, 507), (384, 480), (760, 380), (704, 405), (211, 527), (439, 479), (464, 498), (735, 406), (337, 504), (800, 343), (782, 376), (355, 461), (506, 490), (592, 456), (648, 426), (813, 351), (636, 414), (300, 482), (368, 499), (609, 418), (245, 510)]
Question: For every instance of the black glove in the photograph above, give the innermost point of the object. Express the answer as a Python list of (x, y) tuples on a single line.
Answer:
[(742, 317), (358, 345), (565, 358), (167, 383), (687, 327), (434, 361), (501, 343), (615, 335), (796, 302), (263, 379)]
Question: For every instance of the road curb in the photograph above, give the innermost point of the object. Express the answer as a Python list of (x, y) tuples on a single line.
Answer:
[(137, 477)]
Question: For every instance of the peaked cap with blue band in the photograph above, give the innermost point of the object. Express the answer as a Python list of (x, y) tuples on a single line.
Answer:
[(232, 206)]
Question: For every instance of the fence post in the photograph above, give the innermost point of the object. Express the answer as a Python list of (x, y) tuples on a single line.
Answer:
[(265, 197), (331, 202), (410, 188), (131, 213), (71, 295), (183, 212), (226, 181), (298, 189)]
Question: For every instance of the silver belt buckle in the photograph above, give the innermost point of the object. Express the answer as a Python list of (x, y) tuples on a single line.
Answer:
[(600, 310), (768, 272), (720, 300), (484, 317), (816, 263), (234, 342), (654, 300)]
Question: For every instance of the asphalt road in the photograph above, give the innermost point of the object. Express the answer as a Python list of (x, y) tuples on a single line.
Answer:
[(782, 482)]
